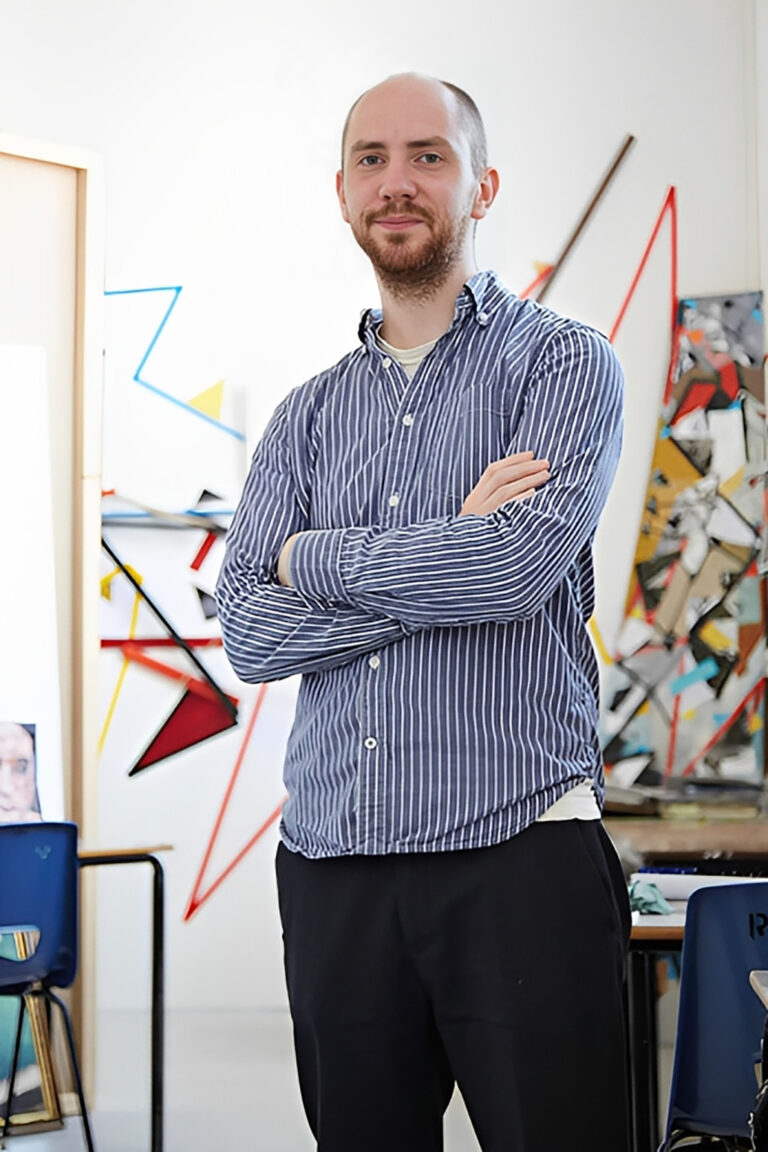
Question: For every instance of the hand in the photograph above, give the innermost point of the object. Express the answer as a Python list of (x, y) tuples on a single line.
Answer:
[(283, 571), (513, 478)]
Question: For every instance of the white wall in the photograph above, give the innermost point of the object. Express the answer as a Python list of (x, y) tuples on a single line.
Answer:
[(219, 125), (760, 128)]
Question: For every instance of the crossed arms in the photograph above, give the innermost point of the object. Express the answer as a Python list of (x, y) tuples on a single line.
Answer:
[(354, 590)]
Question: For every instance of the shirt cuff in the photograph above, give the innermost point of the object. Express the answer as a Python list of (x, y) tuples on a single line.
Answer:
[(314, 564)]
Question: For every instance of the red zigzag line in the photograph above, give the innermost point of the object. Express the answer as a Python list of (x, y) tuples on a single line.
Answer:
[(198, 897)]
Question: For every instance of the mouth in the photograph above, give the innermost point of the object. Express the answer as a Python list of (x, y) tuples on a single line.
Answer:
[(398, 223)]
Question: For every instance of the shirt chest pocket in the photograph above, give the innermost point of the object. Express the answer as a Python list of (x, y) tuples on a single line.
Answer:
[(461, 448)]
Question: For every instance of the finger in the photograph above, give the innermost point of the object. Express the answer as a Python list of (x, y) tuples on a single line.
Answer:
[(505, 461), (514, 456), (521, 488), (489, 486), (519, 475), (515, 467), (520, 467)]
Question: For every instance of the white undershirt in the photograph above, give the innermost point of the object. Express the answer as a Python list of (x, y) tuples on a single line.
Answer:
[(579, 803), (409, 358)]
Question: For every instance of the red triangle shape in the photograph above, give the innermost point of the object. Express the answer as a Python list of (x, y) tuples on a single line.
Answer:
[(194, 719)]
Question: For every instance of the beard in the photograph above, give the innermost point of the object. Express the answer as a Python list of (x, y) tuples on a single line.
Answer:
[(409, 267)]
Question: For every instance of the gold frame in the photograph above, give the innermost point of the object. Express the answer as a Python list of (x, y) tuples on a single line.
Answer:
[(50, 1115)]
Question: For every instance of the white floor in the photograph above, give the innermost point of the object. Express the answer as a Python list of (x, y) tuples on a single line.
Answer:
[(230, 1087)]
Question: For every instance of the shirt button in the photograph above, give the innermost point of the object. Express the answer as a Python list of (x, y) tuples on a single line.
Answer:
[(386, 362), (370, 742), (407, 419), (374, 662), (394, 500), (483, 317)]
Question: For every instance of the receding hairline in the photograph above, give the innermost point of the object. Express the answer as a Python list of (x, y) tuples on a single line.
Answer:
[(472, 121)]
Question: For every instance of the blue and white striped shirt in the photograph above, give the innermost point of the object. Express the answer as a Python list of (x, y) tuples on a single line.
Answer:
[(449, 691)]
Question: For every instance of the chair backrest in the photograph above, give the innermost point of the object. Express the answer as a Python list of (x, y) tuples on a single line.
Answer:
[(720, 1020), (38, 888)]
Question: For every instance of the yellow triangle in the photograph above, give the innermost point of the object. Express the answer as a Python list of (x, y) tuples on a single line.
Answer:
[(542, 266), (209, 401), (680, 473), (755, 724)]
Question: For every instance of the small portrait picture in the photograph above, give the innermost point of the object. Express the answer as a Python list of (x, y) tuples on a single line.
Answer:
[(19, 800)]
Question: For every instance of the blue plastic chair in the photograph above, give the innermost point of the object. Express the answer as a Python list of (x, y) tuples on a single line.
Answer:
[(39, 891), (720, 1020)]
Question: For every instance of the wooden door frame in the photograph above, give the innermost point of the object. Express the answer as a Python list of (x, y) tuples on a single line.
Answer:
[(81, 758)]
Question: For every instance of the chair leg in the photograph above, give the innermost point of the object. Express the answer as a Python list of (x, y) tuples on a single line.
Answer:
[(75, 1067), (12, 1077)]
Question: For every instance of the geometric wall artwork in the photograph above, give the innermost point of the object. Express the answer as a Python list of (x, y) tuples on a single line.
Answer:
[(685, 695), (175, 470)]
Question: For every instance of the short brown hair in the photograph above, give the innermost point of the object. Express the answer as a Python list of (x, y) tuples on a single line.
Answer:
[(472, 123)]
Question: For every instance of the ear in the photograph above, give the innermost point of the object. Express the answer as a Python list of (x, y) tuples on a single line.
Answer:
[(486, 193), (341, 196)]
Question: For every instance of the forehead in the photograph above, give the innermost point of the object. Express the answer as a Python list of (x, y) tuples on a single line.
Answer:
[(401, 110)]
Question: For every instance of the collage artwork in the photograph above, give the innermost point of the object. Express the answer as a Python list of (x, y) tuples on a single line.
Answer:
[(685, 695)]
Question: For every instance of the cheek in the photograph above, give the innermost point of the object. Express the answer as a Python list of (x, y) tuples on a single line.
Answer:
[(25, 787)]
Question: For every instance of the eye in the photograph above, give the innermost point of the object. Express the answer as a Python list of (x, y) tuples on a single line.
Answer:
[(430, 158), (369, 161)]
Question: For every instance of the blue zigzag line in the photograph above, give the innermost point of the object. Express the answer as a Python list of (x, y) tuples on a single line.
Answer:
[(176, 289)]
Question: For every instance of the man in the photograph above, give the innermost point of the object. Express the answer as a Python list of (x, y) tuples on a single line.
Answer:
[(414, 537), (18, 784)]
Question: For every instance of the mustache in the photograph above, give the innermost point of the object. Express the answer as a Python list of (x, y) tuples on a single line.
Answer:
[(397, 209)]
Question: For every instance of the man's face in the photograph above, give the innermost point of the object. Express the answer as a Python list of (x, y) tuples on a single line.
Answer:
[(407, 187), (17, 775)]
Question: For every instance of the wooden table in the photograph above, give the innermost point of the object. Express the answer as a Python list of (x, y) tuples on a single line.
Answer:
[(90, 857), (660, 841)]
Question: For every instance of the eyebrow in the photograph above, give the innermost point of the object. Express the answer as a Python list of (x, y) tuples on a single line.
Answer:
[(378, 145)]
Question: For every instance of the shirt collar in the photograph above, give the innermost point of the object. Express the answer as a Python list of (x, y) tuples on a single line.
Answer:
[(480, 297)]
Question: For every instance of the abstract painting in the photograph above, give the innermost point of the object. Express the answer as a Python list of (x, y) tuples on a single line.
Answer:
[(684, 696)]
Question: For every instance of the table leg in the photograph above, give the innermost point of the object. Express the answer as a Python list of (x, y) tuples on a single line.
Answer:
[(158, 1002), (643, 1051), (158, 983)]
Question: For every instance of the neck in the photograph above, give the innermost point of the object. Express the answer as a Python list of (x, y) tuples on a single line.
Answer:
[(411, 321)]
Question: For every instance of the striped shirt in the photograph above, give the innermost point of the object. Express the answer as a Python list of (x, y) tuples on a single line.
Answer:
[(450, 690)]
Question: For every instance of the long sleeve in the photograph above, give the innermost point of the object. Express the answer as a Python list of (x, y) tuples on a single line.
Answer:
[(502, 567), (269, 631)]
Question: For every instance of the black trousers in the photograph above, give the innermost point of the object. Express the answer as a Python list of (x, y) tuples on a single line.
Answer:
[(500, 969)]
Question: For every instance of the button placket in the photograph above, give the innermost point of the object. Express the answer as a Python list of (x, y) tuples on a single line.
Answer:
[(396, 473)]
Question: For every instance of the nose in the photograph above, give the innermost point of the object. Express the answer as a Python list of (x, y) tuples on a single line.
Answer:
[(397, 182)]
